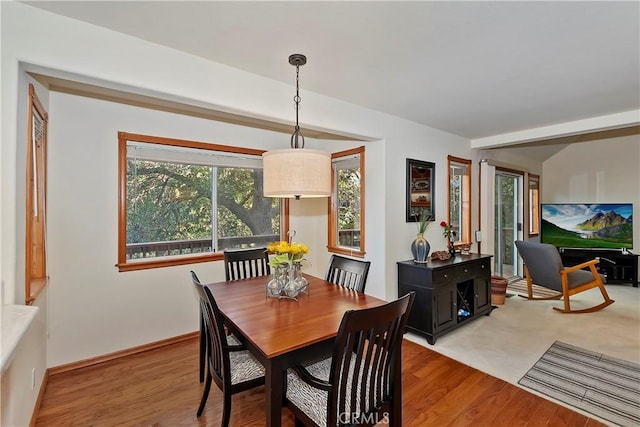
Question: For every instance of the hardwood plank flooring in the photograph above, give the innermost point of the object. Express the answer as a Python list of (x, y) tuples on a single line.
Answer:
[(160, 388)]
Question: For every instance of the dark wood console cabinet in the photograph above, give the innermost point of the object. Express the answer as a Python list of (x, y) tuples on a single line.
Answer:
[(448, 293), (616, 266)]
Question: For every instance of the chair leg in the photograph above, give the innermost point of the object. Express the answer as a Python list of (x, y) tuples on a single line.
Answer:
[(565, 293), (604, 293), (226, 409), (205, 394), (203, 347), (567, 306)]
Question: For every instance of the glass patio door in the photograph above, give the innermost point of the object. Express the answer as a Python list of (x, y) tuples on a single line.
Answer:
[(508, 222)]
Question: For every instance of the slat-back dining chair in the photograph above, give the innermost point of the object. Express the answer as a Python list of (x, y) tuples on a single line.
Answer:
[(238, 264), (203, 331), (348, 272), (246, 263), (229, 364), (356, 386)]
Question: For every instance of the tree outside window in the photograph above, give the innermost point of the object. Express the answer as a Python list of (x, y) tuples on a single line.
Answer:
[(460, 197), (534, 204), (185, 202), (346, 210)]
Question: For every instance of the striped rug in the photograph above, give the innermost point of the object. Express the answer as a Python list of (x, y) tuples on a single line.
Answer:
[(519, 287), (601, 385)]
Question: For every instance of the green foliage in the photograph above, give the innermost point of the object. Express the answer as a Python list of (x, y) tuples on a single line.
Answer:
[(455, 189), (171, 201), (423, 221), (349, 199), (562, 238), (167, 201)]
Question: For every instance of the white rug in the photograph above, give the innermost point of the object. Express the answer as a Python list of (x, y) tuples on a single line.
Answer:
[(508, 343), (594, 382)]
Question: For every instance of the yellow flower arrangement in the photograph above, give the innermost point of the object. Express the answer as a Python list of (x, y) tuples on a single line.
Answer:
[(286, 253)]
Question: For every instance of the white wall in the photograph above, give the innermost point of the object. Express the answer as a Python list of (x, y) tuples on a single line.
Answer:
[(511, 158), (94, 309), (603, 171)]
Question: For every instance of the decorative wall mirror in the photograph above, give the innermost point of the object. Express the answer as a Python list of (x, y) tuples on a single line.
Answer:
[(420, 189)]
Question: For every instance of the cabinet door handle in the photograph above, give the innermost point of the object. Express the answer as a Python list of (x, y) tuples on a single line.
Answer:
[(466, 271), (445, 276)]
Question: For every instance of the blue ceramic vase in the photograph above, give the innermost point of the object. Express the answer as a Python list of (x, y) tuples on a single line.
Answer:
[(420, 249)]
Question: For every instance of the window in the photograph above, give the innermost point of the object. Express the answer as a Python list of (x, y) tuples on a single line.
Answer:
[(36, 195), (534, 205), (182, 202), (460, 197), (346, 210)]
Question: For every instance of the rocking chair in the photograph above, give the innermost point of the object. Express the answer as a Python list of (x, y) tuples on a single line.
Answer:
[(543, 267)]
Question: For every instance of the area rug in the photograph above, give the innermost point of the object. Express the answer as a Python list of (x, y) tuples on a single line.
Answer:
[(601, 385), (520, 287)]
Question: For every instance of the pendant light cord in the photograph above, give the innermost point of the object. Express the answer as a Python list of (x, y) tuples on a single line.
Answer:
[(297, 139)]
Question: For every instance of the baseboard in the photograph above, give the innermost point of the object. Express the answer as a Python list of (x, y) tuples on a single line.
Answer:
[(122, 353)]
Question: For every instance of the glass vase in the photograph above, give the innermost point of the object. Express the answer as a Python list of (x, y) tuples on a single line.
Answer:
[(296, 284), (302, 284), (276, 285)]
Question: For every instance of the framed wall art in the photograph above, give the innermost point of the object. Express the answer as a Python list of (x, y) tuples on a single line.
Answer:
[(420, 189)]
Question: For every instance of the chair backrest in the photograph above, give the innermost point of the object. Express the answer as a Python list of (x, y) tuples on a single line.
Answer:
[(365, 360), (246, 263), (218, 355), (347, 272), (543, 263)]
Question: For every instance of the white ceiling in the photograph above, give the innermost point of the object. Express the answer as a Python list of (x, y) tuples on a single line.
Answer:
[(475, 69)]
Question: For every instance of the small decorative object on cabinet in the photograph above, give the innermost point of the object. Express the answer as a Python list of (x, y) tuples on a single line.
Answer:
[(420, 247), (449, 293), (465, 249)]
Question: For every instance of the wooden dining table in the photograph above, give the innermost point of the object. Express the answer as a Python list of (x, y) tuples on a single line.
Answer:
[(281, 333)]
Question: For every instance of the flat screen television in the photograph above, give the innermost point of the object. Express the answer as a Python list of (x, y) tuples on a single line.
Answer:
[(588, 225)]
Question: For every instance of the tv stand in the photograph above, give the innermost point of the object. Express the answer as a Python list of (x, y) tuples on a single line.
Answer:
[(615, 265)]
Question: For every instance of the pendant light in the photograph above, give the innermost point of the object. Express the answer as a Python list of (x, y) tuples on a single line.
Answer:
[(297, 171)]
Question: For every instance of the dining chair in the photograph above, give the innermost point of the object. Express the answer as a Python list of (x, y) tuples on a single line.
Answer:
[(356, 385), (238, 264), (203, 331), (246, 263), (229, 364), (348, 272)]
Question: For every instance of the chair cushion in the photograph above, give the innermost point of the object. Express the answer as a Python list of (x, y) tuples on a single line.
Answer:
[(313, 401), (244, 367), (232, 340), (580, 277)]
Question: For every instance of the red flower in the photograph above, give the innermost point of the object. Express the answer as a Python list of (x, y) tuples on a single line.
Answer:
[(443, 224)]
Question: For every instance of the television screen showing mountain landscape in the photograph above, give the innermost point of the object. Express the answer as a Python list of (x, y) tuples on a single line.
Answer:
[(593, 225)]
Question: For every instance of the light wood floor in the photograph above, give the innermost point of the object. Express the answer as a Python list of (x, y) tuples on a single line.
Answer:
[(160, 388)]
